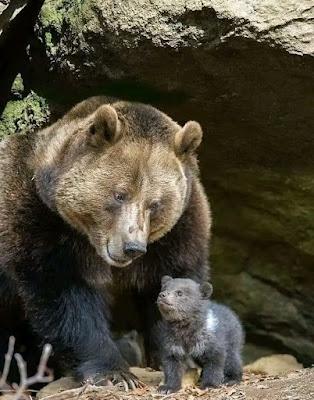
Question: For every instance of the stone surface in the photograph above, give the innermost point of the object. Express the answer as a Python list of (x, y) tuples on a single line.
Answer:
[(245, 70), (58, 386), (276, 364)]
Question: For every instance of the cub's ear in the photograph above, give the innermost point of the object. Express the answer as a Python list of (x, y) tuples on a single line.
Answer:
[(206, 290), (165, 279), (188, 138), (105, 126), (132, 335)]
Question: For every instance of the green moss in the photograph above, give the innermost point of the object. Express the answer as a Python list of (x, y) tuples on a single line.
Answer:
[(24, 115), (56, 12), (51, 15), (58, 16), (18, 86)]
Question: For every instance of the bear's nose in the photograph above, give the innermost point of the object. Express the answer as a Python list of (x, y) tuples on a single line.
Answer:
[(134, 249)]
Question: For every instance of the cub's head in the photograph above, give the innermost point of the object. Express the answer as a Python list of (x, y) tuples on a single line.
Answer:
[(180, 299), (120, 175)]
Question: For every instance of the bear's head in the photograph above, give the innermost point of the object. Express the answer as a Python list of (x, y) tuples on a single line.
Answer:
[(119, 174)]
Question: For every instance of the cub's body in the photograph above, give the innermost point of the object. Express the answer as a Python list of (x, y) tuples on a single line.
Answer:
[(208, 333)]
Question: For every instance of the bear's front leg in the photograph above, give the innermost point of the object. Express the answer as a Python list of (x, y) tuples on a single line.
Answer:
[(173, 368), (75, 323), (212, 362)]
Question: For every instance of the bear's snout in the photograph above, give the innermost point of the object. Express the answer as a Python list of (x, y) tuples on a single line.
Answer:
[(134, 249)]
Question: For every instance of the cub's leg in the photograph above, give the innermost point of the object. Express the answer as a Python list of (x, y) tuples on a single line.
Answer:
[(173, 371), (212, 363), (233, 368)]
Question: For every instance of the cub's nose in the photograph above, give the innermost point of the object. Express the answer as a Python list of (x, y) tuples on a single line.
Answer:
[(134, 249)]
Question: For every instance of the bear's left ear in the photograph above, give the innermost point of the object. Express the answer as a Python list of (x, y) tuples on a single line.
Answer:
[(105, 126), (132, 335), (188, 138), (206, 290), (165, 279)]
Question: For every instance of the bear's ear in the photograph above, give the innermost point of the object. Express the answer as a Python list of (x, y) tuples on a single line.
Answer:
[(132, 335), (188, 138), (206, 290), (165, 279), (105, 126)]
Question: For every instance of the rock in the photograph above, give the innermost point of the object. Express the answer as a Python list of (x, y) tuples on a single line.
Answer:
[(191, 377), (148, 375), (276, 364), (251, 352), (245, 70), (17, 19), (154, 378), (262, 254), (57, 386)]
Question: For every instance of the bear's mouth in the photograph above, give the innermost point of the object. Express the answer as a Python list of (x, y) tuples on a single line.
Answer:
[(164, 305), (112, 260)]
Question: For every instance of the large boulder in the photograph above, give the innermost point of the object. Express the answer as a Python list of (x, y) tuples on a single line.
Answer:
[(245, 70)]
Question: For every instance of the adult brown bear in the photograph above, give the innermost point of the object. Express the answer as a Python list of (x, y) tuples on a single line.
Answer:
[(108, 196)]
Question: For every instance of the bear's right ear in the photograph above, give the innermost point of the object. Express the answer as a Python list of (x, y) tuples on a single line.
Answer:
[(105, 126), (188, 138), (165, 279), (206, 290), (132, 335)]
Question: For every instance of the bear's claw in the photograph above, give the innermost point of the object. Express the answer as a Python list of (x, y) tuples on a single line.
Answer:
[(121, 379), (165, 389)]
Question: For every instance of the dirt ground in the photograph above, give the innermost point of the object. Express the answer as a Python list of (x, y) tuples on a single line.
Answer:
[(294, 386)]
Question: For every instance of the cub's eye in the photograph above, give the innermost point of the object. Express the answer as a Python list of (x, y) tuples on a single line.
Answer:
[(179, 293), (120, 197), (154, 206)]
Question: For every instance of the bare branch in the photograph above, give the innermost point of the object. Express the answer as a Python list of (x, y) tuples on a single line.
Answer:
[(7, 362), (43, 374)]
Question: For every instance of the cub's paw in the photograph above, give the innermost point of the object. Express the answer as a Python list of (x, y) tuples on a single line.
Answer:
[(166, 389), (210, 384), (123, 380), (231, 382), (212, 380)]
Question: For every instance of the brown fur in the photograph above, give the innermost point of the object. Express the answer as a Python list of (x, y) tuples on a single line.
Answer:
[(106, 173)]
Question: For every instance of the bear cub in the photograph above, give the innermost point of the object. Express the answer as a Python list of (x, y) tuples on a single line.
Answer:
[(194, 327), (131, 349)]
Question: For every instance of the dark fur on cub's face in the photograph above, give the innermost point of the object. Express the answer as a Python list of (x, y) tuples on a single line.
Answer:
[(180, 299), (120, 176)]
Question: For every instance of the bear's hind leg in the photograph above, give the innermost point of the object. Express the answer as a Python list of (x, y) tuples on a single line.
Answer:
[(233, 368)]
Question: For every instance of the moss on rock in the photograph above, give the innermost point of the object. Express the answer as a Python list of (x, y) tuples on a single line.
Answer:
[(26, 114)]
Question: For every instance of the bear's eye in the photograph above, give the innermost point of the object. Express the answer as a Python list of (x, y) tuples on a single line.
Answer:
[(154, 206), (120, 197), (179, 293)]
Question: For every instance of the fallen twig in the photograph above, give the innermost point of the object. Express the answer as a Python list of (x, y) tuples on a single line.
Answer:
[(7, 363), (43, 375)]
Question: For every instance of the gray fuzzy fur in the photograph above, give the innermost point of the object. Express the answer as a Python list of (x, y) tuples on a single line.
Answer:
[(194, 327)]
